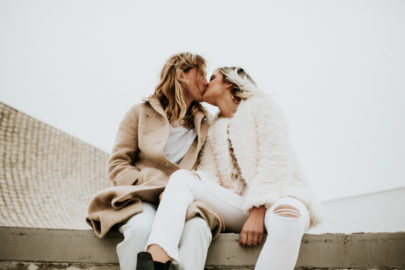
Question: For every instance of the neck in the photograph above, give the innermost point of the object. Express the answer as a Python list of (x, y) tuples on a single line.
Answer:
[(227, 108), (188, 101)]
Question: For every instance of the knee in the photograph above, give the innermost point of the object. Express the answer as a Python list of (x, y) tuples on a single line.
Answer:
[(284, 213), (139, 228), (197, 227), (285, 210), (285, 219), (179, 177)]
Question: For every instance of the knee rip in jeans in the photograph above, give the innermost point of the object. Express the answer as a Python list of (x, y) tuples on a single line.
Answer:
[(286, 210)]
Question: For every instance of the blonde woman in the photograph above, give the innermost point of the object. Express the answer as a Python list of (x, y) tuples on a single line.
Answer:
[(248, 172), (156, 138)]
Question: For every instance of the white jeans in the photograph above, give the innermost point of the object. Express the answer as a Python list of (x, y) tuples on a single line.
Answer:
[(193, 245), (279, 252)]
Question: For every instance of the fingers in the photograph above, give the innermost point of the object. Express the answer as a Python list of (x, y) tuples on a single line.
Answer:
[(260, 238), (243, 238), (246, 238), (250, 238), (255, 238)]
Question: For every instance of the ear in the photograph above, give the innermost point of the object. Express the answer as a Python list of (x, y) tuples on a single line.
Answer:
[(179, 74), (235, 100), (228, 85)]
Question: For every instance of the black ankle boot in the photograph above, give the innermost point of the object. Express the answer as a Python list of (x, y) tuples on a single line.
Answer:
[(162, 266), (145, 261)]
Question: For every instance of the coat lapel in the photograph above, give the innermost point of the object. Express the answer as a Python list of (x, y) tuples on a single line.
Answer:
[(157, 128), (155, 103), (201, 128)]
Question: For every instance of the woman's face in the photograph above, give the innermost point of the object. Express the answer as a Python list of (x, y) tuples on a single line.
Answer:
[(217, 89), (195, 84)]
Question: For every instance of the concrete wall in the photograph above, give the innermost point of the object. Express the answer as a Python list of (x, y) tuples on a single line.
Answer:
[(374, 212), (323, 251)]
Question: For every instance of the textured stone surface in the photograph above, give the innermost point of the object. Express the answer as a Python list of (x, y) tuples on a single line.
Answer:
[(47, 177), (333, 251)]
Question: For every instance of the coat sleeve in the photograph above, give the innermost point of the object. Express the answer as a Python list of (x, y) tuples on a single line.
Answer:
[(120, 164), (273, 169)]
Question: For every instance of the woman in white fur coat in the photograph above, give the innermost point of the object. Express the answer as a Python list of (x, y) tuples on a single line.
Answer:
[(248, 171)]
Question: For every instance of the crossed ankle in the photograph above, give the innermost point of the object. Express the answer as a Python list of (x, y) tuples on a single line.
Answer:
[(145, 262), (161, 266)]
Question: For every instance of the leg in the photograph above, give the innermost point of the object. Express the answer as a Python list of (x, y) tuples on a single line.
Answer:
[(182, 189), (136, 231), (286, 221), (194, 244)]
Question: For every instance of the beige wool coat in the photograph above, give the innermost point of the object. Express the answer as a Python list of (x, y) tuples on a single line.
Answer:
[(140, 171)]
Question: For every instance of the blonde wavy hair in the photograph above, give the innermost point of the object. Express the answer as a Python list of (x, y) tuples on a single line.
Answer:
[(243, 85), (170, 93)]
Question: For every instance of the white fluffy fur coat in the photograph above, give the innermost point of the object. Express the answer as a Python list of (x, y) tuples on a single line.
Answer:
[(262, 147)]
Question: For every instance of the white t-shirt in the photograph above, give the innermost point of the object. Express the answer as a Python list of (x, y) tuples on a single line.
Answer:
[(179, 141)]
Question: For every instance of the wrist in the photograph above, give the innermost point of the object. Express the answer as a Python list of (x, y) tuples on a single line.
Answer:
[(258, 210)]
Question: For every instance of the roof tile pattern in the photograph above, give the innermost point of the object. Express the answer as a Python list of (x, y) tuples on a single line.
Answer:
[(47, 177)]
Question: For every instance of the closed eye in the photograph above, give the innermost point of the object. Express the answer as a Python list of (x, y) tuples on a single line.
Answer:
[(212, 77)]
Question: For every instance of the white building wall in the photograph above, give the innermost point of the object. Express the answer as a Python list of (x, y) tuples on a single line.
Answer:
[(374, 212)]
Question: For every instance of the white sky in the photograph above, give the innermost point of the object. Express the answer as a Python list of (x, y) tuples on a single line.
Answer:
[(337, 68)]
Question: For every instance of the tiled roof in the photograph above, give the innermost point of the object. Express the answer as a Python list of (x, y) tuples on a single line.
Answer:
[(47, 177)]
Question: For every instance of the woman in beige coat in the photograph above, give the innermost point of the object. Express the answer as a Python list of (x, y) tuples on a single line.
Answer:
[(248, 172), (155, 139)]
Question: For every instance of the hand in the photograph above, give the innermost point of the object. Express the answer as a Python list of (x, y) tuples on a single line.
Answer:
[(252, 230)]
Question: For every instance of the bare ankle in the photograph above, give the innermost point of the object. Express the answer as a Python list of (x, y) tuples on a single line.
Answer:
[(158, 253)]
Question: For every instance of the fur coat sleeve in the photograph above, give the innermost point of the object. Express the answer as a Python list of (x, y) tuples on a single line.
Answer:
[(274, 161)]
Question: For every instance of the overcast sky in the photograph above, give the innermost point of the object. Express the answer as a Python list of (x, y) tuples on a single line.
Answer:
[(336, 68)]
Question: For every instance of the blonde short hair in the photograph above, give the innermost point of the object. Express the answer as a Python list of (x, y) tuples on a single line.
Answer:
[(243, 85)]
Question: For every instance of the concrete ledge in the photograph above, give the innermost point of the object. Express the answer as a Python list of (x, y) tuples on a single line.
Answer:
[(82, 266), (323, 251)]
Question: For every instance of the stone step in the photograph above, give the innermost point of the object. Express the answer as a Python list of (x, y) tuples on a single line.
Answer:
[(37, 248)]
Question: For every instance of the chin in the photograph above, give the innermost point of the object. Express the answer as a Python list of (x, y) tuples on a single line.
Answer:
[(208, 100)]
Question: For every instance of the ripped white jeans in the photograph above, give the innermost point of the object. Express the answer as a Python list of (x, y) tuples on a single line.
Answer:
[(284, 233)]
